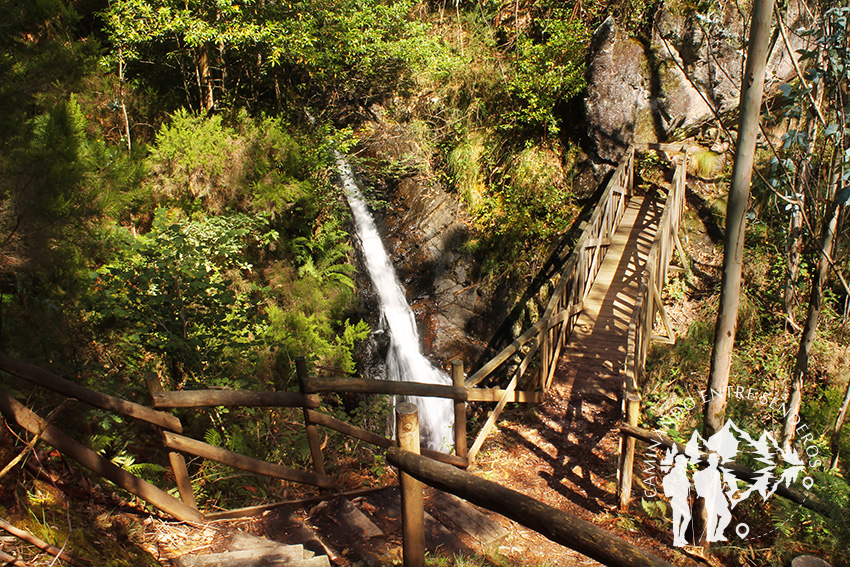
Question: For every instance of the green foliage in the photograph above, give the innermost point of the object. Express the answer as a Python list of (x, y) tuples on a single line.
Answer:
[(464, 163), (294, 332), (797, 526), (323, 255), (194, 153), (549, 68), (344, 47), (173, 292), (52, 192)]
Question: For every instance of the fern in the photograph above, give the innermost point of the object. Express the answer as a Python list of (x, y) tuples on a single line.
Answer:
[(212, 437)]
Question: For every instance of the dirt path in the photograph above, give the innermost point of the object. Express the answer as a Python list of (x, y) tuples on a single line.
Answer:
[(565, 454)]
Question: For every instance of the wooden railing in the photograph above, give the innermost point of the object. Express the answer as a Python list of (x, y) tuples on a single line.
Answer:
[(648, 307), (172, 437), (552, 330)]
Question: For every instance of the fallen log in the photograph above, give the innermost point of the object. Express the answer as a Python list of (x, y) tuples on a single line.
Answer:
[(41, 544), (557, 525), (10, 560)]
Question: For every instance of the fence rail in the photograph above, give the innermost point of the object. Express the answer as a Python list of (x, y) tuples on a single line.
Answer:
[(559, 526), (529, 361), (648, 307)]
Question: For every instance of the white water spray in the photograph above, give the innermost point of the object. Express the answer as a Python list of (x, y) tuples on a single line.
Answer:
[(404, 359)]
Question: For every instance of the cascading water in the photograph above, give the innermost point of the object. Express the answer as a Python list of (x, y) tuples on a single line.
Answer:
[(404, 359)]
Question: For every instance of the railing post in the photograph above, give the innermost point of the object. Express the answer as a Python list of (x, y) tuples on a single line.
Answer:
[(412, 509), (312, 430), (627, 452), (176, 460), (460, 411)]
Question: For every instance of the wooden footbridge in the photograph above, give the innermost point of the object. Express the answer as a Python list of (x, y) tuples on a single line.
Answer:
[(606, 302), (603, 309)]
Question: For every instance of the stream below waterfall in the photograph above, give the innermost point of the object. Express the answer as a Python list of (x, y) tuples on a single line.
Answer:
[(405, 360)]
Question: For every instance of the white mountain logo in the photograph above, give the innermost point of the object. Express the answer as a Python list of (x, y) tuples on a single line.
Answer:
[(717, 483)]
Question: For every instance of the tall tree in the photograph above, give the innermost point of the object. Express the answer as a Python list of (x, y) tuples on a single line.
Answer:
[(829, 72), (724, 336)]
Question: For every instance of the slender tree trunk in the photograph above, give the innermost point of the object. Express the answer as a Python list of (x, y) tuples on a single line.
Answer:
[(795, 233), (204, 79), (183, 59), (810, 328), (795, 245), (835, 441), (724, 335), (121, 95)]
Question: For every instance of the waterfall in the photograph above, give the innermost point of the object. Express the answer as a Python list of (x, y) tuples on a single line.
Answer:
[(404, 359)]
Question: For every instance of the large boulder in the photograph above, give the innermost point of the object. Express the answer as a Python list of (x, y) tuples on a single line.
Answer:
[(617, 105), (690, 69)]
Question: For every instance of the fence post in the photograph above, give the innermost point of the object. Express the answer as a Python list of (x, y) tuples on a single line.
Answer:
[(460, 410), (412, 509), (312, 430), (627, 452), (176, 460)]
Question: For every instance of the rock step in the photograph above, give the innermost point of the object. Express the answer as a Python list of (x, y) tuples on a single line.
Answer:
[(245, 550)]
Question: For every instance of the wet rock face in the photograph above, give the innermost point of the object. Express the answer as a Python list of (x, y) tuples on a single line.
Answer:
[(424, 231), (646, 92)]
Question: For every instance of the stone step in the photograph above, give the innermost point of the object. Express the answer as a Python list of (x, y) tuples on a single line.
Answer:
[(246, 550), (279, 556)]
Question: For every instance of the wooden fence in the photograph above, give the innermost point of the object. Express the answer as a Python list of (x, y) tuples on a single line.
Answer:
[(557, 525), (529, 361), (172, 437)]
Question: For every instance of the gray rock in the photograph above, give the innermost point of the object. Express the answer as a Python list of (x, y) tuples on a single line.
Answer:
[(694, 62), (617, 105)]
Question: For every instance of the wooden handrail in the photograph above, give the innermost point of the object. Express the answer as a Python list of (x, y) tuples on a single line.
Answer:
[(647, 305), (314, 385), (67, 388), (241, 462), (546, 337), (17, 412), (345, 428), (599, 229), (654, 277), (230, 398)]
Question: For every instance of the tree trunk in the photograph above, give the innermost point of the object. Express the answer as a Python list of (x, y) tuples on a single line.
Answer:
[(739, 193), (795, 233), (834, 444), (205, 80), (795, 244), (801, 364)]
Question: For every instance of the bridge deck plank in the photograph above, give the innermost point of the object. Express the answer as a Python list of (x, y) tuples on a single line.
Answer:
[(593, 358)]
